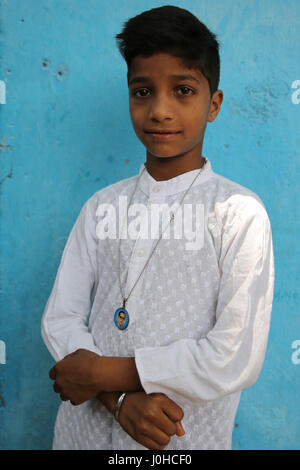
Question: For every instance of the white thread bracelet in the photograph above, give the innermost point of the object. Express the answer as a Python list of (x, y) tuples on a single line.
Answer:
[(118, 406)]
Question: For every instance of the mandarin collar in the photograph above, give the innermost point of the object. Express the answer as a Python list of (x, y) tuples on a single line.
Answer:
[(159, 189)]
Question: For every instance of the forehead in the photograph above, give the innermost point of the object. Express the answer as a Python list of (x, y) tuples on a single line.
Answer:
[(163, 66)]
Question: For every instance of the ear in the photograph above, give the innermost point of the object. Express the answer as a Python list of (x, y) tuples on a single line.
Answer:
[(215, 105)]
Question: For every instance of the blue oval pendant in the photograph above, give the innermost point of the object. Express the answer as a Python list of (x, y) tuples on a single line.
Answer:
[(121, 318)]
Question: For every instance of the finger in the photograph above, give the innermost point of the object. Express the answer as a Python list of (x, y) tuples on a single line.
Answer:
[(174, 411), (64, 397), (150, 444), (76, 403), (179, 429), (156, 440), (165, 424), (56, 388), (156, 434), (52, 373)]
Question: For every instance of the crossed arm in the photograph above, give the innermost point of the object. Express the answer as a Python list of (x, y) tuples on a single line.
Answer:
[(83, 373), (151, 419)]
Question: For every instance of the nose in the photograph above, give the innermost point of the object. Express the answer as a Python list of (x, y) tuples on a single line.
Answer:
[(160, 108)]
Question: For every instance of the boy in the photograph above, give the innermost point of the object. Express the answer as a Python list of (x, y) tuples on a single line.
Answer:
[(196, 320)]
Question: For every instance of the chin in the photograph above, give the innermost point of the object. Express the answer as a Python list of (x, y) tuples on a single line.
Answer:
[(164, 156)]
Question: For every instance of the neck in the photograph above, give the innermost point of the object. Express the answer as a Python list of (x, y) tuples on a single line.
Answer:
[(166, 168)]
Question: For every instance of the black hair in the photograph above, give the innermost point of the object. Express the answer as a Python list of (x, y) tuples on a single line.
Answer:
[(175, 31)]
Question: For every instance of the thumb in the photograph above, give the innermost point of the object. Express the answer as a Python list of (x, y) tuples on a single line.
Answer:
[(52, 373), (179, 429)]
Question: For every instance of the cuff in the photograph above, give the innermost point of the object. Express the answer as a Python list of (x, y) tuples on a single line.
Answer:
[(158, 372)]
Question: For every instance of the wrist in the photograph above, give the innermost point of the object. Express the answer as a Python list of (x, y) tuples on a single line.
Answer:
[(116, 373), (109, 400)]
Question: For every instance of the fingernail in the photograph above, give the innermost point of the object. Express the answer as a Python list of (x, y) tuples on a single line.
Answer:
[(181, 430)]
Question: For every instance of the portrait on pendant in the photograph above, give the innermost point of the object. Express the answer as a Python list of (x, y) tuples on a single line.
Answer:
[(121, 318)]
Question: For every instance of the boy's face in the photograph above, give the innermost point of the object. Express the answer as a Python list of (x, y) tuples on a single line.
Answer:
[(121, 318), (161, 99)]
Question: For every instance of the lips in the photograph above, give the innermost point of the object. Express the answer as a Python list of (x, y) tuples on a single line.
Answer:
[(159, 135), (154, 131)]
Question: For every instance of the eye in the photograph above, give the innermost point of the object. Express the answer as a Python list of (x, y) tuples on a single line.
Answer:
[(140, 90), (186, 88)]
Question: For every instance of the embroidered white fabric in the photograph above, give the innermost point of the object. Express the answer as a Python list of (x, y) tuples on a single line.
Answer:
[(199, 319)]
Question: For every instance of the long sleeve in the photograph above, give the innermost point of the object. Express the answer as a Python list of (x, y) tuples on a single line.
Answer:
[(230, 357), (65, 318)]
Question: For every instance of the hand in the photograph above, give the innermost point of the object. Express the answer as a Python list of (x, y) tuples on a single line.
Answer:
[(75, 377), (151, 419)]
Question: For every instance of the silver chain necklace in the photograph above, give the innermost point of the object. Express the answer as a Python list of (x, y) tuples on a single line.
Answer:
[(121, 316)]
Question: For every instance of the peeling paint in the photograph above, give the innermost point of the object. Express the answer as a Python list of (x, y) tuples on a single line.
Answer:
[(286, 296), (62, 72), (46, 63), (9, 175), (260, 102), (4, 145)]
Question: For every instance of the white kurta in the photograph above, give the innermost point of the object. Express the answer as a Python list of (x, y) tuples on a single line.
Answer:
[(199, 319)]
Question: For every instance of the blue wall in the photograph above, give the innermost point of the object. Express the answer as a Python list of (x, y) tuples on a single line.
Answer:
[(66, 132)]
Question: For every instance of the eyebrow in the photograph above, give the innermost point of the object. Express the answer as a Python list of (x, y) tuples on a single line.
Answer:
[(173, 77)]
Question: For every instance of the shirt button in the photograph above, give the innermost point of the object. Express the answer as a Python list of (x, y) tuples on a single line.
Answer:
[(156, 189), (140, 252)]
